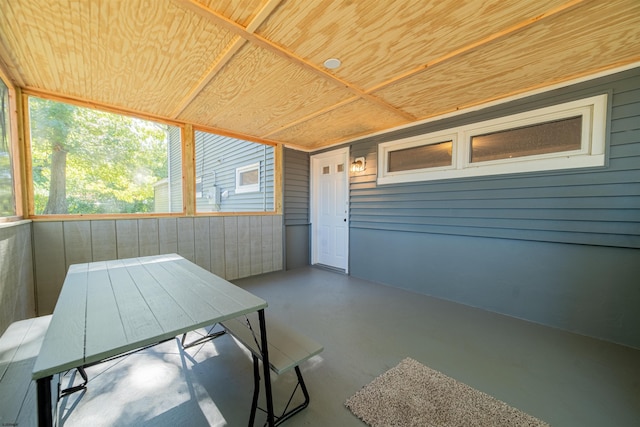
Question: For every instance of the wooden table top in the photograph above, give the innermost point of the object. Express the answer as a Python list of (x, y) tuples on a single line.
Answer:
[(112, 307)]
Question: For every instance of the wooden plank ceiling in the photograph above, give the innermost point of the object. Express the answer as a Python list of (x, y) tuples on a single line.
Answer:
[(254, 68)]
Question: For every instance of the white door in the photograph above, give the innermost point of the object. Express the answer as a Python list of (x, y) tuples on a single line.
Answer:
[(330, 209)]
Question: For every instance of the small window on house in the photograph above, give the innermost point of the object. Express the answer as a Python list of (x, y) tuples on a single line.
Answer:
[(85, 161), (340, 168), (7, 195), (565, 136), (405, 158), (248, 178), (421, 157), (326, 170), (544, 138)]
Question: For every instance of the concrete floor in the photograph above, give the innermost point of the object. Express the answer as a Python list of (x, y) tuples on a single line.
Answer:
[(561, 378)]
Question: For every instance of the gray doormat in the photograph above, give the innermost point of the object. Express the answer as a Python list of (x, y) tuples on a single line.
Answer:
[(412, 394)]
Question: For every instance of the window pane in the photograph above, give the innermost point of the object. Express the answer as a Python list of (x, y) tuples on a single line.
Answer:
[(86, 161), (7, 199), (249, 177), (237, 175), (424, 156), (550, 137)]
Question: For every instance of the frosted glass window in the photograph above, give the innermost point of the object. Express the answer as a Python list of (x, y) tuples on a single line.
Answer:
[(558, 137), (544, 138), (248, 178), (421, 157)]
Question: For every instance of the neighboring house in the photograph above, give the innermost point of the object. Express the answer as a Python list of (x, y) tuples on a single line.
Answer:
[(232, 175), (175, 169), (161, 196)]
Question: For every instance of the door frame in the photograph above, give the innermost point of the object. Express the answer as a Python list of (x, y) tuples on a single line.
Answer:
[(313, 199)]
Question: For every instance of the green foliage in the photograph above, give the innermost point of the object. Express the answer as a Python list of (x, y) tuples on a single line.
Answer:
[(112, 161)]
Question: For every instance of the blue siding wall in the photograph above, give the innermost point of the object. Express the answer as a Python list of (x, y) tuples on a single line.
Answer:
[(217, 158), (296, 187), (596, 206), (296, 207), (560, 248)]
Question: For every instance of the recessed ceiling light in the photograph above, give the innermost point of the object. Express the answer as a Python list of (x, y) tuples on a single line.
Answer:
[(332, 63)]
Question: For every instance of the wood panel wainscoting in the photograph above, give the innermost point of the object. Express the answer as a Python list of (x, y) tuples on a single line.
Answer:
[(231, 247)]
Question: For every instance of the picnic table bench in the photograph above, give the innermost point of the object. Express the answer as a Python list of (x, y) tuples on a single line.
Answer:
[(19, 347), (287, 349)]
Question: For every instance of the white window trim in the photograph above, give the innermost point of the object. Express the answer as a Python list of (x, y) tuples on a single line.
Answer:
[(591, 154), (251, 188), (417, 141)]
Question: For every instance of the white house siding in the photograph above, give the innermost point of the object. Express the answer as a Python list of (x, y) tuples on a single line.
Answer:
[(175, 169), (161, 196)]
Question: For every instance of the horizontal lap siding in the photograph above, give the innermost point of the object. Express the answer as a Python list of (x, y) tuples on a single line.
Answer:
[(175, 169), (599, 206), (296, 187), (296, 172), (217, 158)]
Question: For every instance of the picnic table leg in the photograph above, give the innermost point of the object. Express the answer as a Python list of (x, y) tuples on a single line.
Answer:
[(266, 369), (45, 418)]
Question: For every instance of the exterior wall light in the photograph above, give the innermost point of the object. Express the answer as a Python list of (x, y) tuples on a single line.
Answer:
[(358, 164)]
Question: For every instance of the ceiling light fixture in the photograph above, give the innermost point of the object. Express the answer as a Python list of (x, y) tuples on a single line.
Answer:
[(332, 63)]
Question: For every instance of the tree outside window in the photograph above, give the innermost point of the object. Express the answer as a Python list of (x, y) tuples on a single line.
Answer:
[(86, 161)]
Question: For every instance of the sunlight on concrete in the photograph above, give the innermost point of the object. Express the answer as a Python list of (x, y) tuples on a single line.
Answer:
[(153, 375)]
